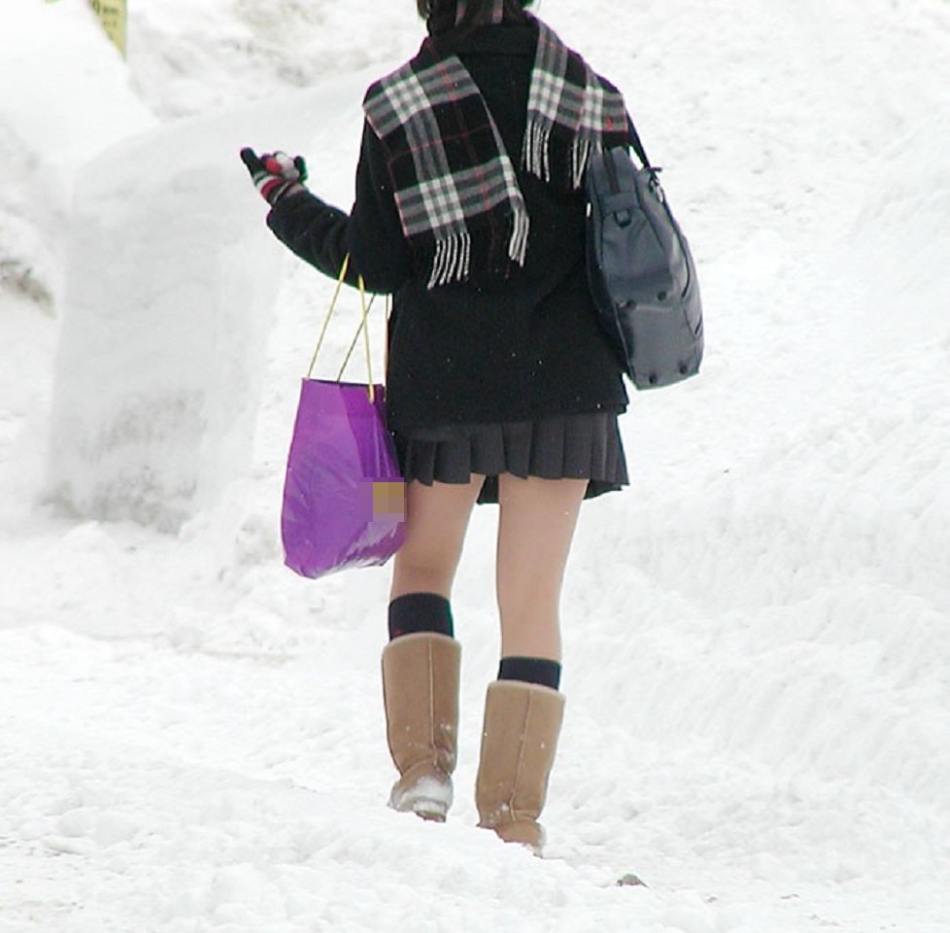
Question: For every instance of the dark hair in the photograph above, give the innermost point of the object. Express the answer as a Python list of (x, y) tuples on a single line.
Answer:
[(428, 7)]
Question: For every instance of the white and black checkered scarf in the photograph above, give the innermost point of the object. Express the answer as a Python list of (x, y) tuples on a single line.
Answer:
[(456, 190)]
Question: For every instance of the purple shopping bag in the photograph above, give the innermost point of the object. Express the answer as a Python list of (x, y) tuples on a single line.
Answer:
[(344, 497)]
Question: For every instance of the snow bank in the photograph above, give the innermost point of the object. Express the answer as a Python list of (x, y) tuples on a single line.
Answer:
[(189, 56), (170, 281), (47, 51)]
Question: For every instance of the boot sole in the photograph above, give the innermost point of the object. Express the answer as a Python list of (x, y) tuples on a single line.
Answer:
[(428, 809), (431, 810), (429, 799)]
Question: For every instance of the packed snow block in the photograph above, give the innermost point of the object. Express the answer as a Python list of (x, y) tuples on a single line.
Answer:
[(171, 274), (52, 119)]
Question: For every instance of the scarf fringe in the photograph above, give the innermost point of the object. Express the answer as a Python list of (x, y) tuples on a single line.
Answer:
[(537, 156), (453, 254), (518, 245), (453, 259), (580, 154)]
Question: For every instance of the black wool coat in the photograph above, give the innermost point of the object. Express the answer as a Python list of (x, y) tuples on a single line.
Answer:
[(484, 350)]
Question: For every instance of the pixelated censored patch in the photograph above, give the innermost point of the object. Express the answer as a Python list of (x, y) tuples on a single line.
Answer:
[(389, 499)]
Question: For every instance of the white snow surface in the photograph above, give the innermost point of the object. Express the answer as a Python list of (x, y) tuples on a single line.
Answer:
[(756, 632)]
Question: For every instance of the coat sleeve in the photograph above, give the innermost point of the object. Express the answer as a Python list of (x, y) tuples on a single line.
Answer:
[(371, 233)]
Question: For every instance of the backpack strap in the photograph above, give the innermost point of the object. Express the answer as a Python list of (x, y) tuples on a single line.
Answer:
[(637, 144)]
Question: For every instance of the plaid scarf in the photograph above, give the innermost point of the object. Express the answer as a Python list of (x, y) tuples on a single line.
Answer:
[(455, 187)]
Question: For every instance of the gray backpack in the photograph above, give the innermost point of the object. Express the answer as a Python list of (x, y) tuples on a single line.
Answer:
[(641, 271)]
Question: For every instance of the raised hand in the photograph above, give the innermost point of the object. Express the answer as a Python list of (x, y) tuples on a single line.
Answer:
[(275, 175)]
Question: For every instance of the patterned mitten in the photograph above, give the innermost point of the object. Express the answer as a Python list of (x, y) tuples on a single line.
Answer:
[(275, 175)]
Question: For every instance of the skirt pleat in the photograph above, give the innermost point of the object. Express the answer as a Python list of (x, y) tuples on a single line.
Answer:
[(576, 446)]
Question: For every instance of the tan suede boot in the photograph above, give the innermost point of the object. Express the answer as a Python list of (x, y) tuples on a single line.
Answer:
[(421, 698), (519, 741)]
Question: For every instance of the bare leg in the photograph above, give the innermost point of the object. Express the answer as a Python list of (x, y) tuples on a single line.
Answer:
[(535, 530), (437, 518), (421, 669)]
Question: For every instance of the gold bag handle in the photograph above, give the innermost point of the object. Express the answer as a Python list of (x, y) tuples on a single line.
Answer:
[(364, 326)]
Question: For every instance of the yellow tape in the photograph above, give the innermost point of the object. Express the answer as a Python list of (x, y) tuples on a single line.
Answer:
[(113, 16)]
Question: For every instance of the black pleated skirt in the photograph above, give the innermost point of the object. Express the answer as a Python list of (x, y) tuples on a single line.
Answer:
[(577, 446)]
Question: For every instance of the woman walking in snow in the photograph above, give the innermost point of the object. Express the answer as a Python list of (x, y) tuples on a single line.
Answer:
[(501, 388)]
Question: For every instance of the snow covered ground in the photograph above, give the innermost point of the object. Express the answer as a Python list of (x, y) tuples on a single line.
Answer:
[(756, 633)]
